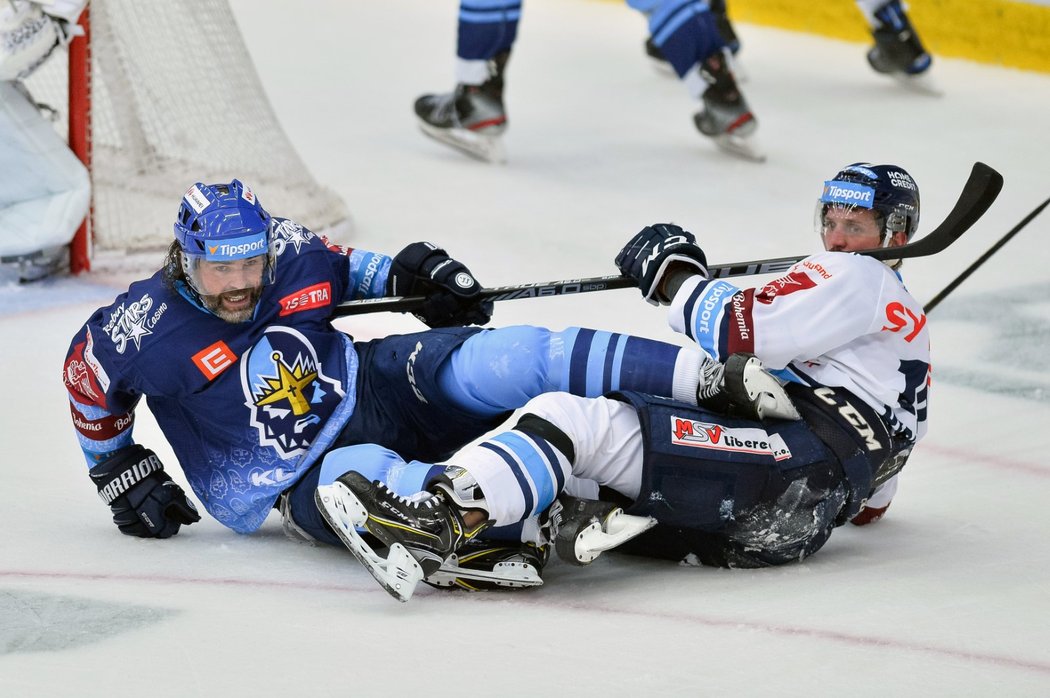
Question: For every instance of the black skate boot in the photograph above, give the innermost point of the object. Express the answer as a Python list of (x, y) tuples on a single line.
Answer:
[(483, 565), (657, 58), (898, 52), (588, 527), (742, 388), (471, 118), (420, 532), (726, 117)]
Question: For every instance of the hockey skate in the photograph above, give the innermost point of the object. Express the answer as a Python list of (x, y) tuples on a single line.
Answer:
[(588, 528), (484, 565), (657, 59), (471, 118), (726, 117), (742, 387), (398, 572), (426, 528), (898, 52)]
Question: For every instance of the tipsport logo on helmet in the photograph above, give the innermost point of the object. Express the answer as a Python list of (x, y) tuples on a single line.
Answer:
[(851, 193), (237, 248)]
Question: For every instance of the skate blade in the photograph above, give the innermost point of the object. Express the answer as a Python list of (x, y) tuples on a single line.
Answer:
[(485, 148), (617, 529), (756, 392), (922, 84), (505, 574), (398, 572), (742, 147)]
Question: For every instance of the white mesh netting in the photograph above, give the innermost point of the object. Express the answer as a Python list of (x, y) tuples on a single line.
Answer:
[(176, 100)]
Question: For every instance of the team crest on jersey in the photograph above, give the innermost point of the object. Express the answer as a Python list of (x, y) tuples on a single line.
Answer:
[(694, 434), (132, 321), (290, 233), (287, 391)]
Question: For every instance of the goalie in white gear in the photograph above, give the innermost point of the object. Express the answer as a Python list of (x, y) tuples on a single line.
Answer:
[(727, 487), (44, 188)]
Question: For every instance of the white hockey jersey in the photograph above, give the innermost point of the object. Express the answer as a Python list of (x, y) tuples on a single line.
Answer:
[(835, 319)]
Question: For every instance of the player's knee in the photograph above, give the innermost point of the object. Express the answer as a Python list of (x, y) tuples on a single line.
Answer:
[(376, 463), (499, 370), (542, 421)]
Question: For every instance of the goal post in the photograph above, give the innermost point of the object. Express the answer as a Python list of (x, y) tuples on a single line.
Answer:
[(157, 96)]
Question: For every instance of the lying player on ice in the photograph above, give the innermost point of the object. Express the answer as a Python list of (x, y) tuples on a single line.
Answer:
[(761, 479), (232, 345)]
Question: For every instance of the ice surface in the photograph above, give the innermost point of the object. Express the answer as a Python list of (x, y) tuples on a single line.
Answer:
[(948, 595)]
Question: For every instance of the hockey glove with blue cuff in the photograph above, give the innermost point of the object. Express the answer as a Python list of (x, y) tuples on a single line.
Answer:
[(452, 293), (654, 252), (145, 501)]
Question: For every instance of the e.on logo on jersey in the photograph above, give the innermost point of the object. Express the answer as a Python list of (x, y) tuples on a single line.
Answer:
[(214, 359), (902, 319), (316, 296)]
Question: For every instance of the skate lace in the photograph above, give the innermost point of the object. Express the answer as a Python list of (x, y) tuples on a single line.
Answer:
[(710, 383), (419, 500), (445, 106)]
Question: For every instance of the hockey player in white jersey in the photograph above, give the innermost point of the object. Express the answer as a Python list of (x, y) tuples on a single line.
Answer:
[(44, 188), (760, 475), (472, 118)]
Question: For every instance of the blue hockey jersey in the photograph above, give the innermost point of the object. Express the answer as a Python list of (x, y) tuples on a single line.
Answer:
[(247, 408)]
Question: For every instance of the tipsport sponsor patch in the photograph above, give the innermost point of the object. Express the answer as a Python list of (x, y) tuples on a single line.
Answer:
[(238, 248), (850, 193)]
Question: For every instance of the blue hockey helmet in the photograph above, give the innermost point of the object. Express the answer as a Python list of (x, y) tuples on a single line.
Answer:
[(223, 223), (888, 190)]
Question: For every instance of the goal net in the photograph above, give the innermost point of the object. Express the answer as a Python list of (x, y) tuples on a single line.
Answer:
[(168, 96)]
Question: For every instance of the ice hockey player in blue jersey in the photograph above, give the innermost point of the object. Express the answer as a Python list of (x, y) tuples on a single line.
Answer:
[(232, 346), (898, 51), (759, 474), (473, 119)]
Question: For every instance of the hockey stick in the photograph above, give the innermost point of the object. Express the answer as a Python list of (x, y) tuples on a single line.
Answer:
[(984, 258), (980, 190)]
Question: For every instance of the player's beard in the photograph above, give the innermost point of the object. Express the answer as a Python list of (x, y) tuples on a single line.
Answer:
[(234, 306)]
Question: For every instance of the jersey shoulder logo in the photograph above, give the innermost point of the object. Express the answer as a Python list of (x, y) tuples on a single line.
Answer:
[(288, 232), (785, 285), (131, 321), (316, 296)]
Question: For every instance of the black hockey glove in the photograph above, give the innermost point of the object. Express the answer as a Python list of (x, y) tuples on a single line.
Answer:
[(655, 251), (451, 291), (145, 501)]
